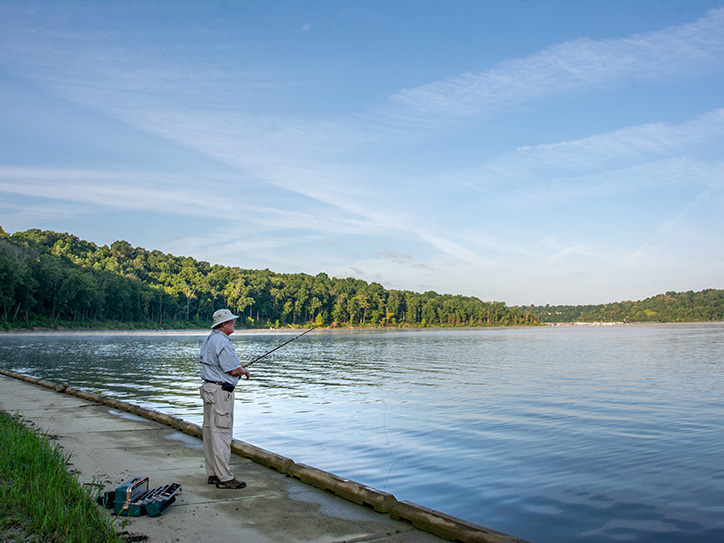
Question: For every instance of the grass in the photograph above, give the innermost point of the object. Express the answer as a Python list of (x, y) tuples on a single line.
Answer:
[(40, 500)]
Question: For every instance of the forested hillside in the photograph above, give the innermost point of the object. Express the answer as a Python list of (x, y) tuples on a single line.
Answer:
[(49, 280), (706, 305)]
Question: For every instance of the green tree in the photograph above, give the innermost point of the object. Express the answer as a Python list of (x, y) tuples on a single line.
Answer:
[(58, 278)]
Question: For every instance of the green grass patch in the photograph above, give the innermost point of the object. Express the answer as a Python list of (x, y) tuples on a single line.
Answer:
[(40, 500)]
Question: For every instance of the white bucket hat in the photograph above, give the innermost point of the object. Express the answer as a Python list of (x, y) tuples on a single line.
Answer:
[(221, 316)]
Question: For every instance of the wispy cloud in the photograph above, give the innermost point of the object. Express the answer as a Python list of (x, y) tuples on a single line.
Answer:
[(620, 161), (676, 221), (32, 214), (616, 182), (577, 249), (109, 190), (636, 142), (151, 191), (275, 224), (573, 66)]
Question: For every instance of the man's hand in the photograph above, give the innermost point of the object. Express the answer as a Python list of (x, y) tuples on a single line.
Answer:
[(238, 372)]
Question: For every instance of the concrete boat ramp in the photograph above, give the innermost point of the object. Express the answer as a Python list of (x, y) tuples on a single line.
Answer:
[(284, 502)]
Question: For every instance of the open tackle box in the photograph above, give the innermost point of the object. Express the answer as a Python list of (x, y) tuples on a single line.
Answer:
[(133, 498)]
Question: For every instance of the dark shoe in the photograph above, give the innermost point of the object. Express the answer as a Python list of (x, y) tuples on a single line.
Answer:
[(231, 484), (213, 479)]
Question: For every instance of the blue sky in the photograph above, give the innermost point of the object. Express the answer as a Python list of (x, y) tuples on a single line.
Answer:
[(562, 152)]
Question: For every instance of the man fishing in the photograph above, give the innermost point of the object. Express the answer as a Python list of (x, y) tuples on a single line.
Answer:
[(220, 370)]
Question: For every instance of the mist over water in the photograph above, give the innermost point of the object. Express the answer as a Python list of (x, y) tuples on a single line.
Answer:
[(554, 434)]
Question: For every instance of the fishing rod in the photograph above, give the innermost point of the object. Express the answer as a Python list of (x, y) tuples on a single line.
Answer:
[(282, 345)]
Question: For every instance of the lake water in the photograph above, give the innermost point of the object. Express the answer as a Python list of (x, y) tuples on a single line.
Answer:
[(551, 434)]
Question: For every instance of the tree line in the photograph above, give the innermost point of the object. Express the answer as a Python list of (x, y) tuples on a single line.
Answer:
[(50, 280), (702, 306)]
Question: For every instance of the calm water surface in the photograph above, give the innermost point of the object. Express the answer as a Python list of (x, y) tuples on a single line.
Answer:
[(555, 434)]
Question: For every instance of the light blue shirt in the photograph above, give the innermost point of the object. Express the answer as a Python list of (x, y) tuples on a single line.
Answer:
[(218, 358)]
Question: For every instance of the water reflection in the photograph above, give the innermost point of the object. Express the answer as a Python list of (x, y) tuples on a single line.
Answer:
[(551, 434)]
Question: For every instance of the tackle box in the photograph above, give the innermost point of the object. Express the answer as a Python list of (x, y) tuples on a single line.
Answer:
[(133, 498)]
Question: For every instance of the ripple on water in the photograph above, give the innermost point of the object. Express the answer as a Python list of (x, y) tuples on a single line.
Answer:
[(550, 434)]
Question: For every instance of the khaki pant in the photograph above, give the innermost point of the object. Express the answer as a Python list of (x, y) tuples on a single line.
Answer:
[(217, 430)]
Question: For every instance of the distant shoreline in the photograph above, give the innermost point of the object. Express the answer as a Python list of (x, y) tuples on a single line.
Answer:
[(597, 323), (251, 331), (243, 331)]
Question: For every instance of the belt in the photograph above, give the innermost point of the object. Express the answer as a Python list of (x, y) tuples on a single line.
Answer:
[(228, 387)]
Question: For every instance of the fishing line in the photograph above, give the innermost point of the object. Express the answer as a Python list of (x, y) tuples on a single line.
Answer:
[(280, 346), (387, 437)]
